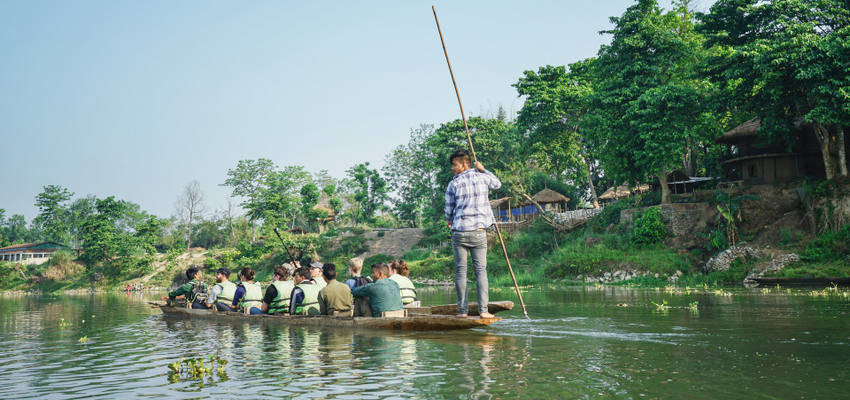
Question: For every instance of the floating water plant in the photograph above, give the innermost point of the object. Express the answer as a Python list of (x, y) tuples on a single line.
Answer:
[(84, 340), (197, 369), (693, 306), (62, 323), (663, 307)]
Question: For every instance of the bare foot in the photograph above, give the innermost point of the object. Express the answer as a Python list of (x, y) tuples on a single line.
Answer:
[(486, 315), (462, 315)]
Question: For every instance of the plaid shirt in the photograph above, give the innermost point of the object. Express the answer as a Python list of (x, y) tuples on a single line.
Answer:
[(467, 205)]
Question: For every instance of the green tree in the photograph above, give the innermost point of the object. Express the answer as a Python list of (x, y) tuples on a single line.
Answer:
[(555, 104), (410, 171), (53, 212), (248, 180), (370, 191), (784, 61), (279, 198), (78, 211), (102, 238), (648, 109)]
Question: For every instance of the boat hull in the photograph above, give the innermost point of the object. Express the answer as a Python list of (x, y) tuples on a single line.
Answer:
[(413, 322)]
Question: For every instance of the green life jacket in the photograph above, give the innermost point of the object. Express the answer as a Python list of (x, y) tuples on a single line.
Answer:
[(228, 291), (280, 304), (253, 296), (408, 291), (320, 282), (310, 305), (199, 292)]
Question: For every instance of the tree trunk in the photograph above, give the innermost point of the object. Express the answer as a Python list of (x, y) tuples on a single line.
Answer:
[(842, 153), (823, 139), (189, 232), (590, 183), (253, 239), (665, 191)]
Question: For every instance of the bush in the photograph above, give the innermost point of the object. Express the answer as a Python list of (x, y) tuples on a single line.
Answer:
[(377, 258), (830, 246), (649, 228), (610, 215)]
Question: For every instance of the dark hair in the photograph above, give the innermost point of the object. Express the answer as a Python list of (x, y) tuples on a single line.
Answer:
[(303, 272), (247, 273), (384, 268), (400, 267), (192, 272), (223, 271), (459, 153), (282, 272), (329, 271)]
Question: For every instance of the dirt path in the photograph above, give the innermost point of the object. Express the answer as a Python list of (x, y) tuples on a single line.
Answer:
[(394, 243)]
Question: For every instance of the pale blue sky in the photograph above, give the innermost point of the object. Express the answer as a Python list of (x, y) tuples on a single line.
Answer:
[(137, 98)]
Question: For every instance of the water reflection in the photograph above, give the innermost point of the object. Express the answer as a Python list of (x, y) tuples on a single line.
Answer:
[(580, 342)]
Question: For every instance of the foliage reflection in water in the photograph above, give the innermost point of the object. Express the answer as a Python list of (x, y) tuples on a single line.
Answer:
[(581, 342)]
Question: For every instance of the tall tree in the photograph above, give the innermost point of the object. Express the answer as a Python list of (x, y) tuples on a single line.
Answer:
[(649, 107), (53, 212), (785, 61), (556, 102), (280, 196), (190, 206), (248, 180), (370, 191)]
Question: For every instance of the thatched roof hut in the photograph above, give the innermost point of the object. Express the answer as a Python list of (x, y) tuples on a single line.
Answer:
[(744, 132), (547, 196), (623, 191), (500, 203)]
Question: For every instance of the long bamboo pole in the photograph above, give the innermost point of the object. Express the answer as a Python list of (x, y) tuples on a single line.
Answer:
[(475, 158)]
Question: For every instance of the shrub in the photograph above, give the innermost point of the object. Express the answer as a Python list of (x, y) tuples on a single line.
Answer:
[(610, 215), (377, 258), (649, 228), (829, 246)]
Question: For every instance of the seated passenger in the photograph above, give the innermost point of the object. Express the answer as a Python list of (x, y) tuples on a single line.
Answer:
[(336, 296), (355, 266), (194, 291), (305, 296), (316, 274), (276, 300), (399, 273), (223, 292), (384, 294), (249, 295)]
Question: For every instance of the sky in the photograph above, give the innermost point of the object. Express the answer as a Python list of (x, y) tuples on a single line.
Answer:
[(138, 98)]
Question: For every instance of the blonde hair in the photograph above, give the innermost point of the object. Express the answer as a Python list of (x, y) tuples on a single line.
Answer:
[(355, 265)]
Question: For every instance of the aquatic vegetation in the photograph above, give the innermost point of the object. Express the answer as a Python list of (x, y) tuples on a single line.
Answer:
[(721, 292), (196, 369), (83, 340), (622, 304), (663, 307), (693, 306), (62, 323)]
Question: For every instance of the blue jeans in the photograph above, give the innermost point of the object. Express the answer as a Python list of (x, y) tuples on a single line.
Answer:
[(463, 244), (255, 310), (224, 307)]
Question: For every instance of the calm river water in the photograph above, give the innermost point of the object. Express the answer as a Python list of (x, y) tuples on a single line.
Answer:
[(581, 342)]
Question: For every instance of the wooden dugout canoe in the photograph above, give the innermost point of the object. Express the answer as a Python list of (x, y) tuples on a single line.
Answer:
[(451, 309), (413, 322)]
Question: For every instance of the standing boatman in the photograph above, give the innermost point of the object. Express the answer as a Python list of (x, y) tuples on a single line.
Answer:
[(468, 214)]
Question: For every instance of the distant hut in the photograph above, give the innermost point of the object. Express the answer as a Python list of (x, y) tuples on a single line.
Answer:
[(551, 201), (759, 161), (622, 191), (501, 209)]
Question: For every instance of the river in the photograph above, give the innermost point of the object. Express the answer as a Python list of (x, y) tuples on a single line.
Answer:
[(581, 342)]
